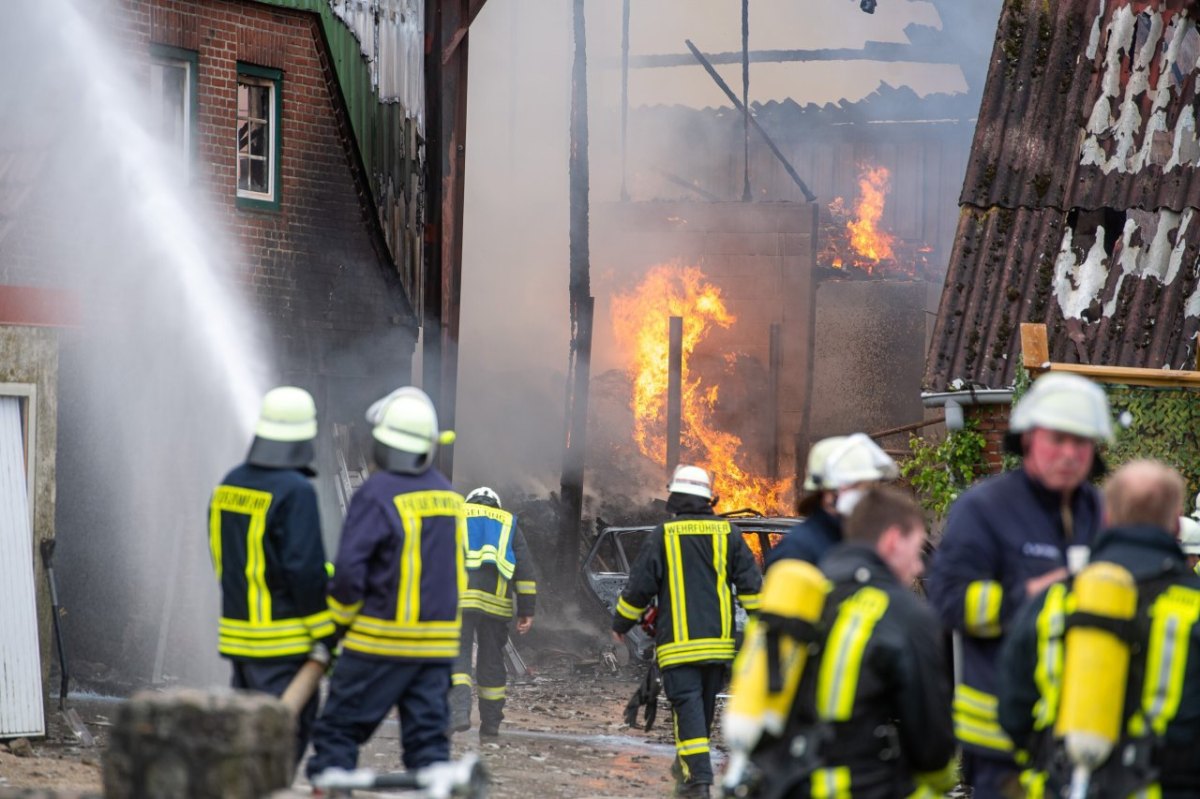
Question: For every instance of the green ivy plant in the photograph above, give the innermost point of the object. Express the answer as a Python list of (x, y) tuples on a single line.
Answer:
[(939, 471)]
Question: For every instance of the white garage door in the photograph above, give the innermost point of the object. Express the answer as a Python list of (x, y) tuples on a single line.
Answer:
[(20, 669)]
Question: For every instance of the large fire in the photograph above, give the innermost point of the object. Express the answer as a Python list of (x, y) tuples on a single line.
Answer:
[(865, 236), (856, 238), (640, 321)]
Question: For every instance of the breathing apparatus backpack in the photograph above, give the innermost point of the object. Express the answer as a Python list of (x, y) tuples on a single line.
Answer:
[(1091, 711), (768, 670)]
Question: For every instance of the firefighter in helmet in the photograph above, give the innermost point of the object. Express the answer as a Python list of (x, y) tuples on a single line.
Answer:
[(264, 535), (1099, 675), (690, 564), (1007, 539), (397, 578), (499, 566)]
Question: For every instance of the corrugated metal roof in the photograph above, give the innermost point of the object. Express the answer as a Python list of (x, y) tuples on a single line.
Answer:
[(1080, 193)]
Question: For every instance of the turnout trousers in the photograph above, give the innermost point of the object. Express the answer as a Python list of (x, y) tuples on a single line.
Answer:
[(491, 635), (362, 691), (692, 689), (272, 677), (991, 778)]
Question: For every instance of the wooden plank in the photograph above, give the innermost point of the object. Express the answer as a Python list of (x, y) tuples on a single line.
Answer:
[(1035, 348), (1132, 376)]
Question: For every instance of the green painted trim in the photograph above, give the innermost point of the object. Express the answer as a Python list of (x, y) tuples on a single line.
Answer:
[(276, 201), (165, 52)]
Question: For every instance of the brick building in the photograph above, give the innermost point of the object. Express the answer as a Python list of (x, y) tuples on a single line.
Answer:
[(295, 141)]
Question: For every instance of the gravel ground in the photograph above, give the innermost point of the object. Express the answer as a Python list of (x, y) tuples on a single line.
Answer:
[(563, 737)]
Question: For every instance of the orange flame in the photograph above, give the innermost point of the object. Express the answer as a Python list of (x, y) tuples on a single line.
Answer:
[(640, 321), (865, 236)]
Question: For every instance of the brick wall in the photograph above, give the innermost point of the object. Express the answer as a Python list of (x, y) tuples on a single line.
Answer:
[(317, 268), (993, 423)]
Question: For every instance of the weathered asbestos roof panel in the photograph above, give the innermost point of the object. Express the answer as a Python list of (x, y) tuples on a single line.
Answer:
[(1089, 105)]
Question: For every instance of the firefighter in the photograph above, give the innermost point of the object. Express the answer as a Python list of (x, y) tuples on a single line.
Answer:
[(839, 468), (397, 578), (689, 565), (1126, 707), (1007, 539), (498, 564), (870, 715), (264, 534)]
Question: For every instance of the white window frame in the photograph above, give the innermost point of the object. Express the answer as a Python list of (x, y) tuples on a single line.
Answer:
[(157, 64), (272, 158), (27, 394)]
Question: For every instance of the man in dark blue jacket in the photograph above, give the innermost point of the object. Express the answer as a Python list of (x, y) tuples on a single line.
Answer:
[(1159, 719), (1007, 539), (264, 535), (397, 579)]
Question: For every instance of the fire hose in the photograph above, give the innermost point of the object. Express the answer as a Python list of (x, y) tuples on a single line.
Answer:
[(463, 778), (307, 679)]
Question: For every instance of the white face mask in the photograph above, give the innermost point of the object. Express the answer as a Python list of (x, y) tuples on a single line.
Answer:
[(848, 500)]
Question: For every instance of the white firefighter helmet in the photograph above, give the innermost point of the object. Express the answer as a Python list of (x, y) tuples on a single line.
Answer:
[(286, 427), (814, 478), (690, 480), (406, 431), (484, 496), (1189, 535), (857, 459), (287, 414), (1066, 403)]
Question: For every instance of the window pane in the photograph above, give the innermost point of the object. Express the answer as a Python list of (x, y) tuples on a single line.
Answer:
[(244, 174), (243, 101), (261, 102), (258, 139), (258, 175), (243, 137), (169, 86)]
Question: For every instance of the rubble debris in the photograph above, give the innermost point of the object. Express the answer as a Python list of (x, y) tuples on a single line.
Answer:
[(21, 747)]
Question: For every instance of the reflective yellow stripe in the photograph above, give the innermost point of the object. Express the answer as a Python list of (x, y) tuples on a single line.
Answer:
[(408, 608), (1172, 617), (698, 650), (981, 610), (1151, 792), (460, 679), (1034, 783), (385, 627), (526, 587), (841, 661), (493, 693), (720, 544), (675, 584), (1047, 675), (425, 646), (628, 611), (975, 719), (474, 599), (692, 746), (252, 503), (750, 601), (343, 614), (831, 783)]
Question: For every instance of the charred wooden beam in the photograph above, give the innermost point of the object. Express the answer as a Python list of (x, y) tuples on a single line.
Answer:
[(674, 390), (808, 195), (892, 52), (579, 365)]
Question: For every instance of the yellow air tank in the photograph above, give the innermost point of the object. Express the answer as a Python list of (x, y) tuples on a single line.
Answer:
[(1097, 665), (793, 597)]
